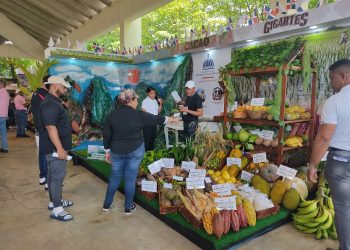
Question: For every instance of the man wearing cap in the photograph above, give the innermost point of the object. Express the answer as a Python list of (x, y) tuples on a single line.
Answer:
[(4, 105), (55, 136), (37, 98), (192, 110), (21, 115)]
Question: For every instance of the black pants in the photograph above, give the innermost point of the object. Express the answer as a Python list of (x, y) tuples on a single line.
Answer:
[(149, 136), (190, 129)]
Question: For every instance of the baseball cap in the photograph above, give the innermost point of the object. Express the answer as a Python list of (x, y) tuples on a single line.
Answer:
[(126, 96), (190, 84), (57, 80)]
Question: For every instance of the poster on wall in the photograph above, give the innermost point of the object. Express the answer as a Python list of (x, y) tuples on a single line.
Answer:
[(206, 74), (115, 76)]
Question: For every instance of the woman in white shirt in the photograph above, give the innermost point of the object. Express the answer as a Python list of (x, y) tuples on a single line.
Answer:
[(153, 106)]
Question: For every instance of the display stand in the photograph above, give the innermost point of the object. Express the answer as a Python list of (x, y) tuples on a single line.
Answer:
[(177, 222), (175, 128), (259, 73)]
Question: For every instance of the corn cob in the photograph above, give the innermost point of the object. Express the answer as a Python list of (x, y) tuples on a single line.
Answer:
[(250, 212)]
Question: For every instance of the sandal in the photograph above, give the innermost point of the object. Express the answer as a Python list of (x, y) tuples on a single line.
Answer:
[(62, 216)]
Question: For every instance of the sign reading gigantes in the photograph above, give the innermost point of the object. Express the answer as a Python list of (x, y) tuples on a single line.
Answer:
[(202, 42), (298, 19)]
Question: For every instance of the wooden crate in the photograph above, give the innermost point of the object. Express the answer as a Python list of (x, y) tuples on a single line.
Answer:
[(190, 218)]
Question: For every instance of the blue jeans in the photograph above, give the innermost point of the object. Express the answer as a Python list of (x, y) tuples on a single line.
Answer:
[(42, 166), (21, 122), (3, 133), (126, 166)]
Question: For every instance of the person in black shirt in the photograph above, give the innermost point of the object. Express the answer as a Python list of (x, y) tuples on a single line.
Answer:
[(55, 136), (123, 142), (37, 98), (192, 110)]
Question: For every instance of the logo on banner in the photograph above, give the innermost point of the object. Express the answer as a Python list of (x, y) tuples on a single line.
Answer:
[(208, 64), (217, 94)]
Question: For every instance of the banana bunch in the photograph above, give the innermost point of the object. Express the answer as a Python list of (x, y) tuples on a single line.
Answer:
[(294, 141), (314, 217)]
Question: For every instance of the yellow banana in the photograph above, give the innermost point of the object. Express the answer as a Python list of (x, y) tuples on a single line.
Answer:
[(328, 222), (309, 230), (305, 203), (330, 203), (310, 215), (305, 210), (323, 217)]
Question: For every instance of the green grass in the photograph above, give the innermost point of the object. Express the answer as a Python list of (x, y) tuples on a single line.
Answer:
[(226, 241)]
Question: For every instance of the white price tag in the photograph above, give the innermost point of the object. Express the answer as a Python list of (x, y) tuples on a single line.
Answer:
[(237, 128), (192, 183), (188, 165), (257, 101), (226, 203), (222, 189), (324, 158), (267, 134), (178, 178), (168, 185), (256, 132), (197, 173), (207, 180), (286, 172), (233, 161), (154, 167), (246, 176), (168, 162), (149, 186), (261, 157)]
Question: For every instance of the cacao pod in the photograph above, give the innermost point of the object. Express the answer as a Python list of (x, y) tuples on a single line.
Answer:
[(234, 221), (218, 225)]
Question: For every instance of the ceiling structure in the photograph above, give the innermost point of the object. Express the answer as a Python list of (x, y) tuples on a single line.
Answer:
[(29, 24)]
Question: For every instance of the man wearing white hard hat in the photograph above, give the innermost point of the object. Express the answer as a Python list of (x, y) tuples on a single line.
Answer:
[(192, 109), (55, 135)]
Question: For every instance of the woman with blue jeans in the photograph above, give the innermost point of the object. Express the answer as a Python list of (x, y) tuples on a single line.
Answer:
[(123, 142)]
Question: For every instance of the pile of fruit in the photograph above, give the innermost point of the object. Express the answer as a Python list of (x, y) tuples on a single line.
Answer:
[(215, 160), (228, 174), (317, 216), (296, 112), (294, 141), (220, 223), (168, 197)]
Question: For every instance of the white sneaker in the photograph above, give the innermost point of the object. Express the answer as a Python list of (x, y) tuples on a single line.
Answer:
[(42, 180), (46, 187)]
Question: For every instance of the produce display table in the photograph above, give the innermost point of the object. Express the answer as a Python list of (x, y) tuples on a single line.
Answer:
[(179, 223)]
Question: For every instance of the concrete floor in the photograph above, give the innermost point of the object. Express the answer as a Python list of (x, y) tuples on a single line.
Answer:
[(25, 222)]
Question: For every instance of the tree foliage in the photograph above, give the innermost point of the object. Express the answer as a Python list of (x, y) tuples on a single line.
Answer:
[(179, 15)]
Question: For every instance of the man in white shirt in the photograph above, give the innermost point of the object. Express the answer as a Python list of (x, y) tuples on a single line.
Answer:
[(333, 135), (153, 106)]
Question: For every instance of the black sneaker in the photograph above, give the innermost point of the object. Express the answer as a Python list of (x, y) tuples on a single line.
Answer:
[(130, 210), (4, 151), (107, 208)]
